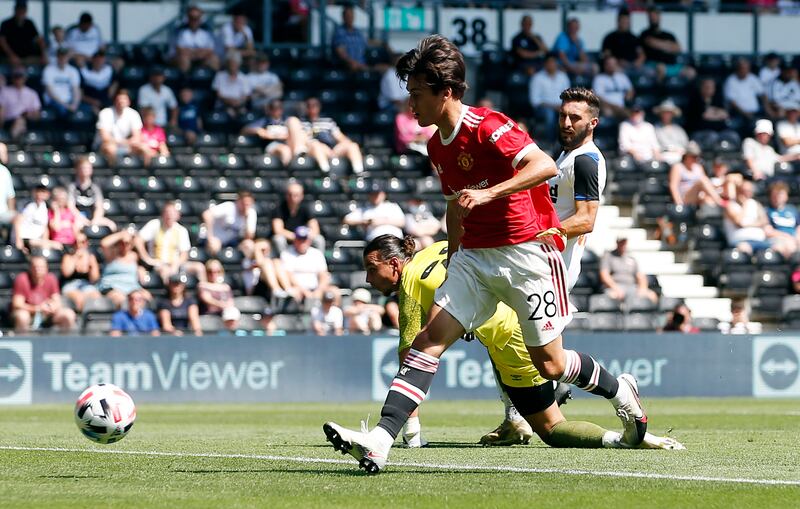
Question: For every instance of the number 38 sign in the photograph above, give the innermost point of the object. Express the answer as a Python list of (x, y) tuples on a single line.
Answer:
[(472, 30)]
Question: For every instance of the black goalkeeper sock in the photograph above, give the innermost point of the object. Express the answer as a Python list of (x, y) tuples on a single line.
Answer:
[(584, 372), (408, 390)]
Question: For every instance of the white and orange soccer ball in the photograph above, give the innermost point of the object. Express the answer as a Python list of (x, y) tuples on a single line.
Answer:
[(105, 413)]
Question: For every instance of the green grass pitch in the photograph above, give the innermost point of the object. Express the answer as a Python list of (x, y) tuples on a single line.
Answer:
[(275, 456)]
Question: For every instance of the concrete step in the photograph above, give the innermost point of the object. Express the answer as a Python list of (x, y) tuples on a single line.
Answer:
[(656, 259), (685, 281), (719, 308)]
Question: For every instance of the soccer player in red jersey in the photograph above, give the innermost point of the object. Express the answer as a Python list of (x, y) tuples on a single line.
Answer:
[(505, 239)]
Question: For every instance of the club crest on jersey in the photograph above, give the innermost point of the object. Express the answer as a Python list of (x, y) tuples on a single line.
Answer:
[(465, 161)]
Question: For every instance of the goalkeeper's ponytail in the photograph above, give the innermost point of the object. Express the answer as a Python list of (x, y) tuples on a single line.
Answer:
[(391, 246)]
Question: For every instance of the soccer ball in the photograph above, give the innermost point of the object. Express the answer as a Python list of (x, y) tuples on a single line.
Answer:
[(105, 413)]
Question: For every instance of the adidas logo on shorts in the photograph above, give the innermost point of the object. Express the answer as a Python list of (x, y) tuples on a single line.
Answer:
[(547, 327)]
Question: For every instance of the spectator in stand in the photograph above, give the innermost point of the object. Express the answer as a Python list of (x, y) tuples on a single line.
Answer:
[(744, 93), (265, 84), (569, 48), (229, 223), (391, 316), (119, 129), (409, 136), (80, 271), (136, 320), (621, 277), (379, 216), (680, 320), (236, 37), (740, 319), (363, 317), (672, 138), (8, 199), (189, 122), (292, 214), (661, 49), (614, 89), (57, 40), (87, 196), (783, 91), (157, 95), (393, 93), (759, 155), (284, 136), (770, 69), (214, 294), (19, 39), (725, 182), (164, 244), (154, 139), (36, 301), (527, 48), (789, 129), (64, 220), (30, 225), (623, 45), (194, 44), (62, 84), (306, 266), (637, 137), (327, 319), (688, 183), (421, 223), (544, 90), (178, 312), (84, 40), (98, 82), (327, 140), (232, 88), (706, 110), (121, 273), (18, 104), (262, 275), (783, 219), (745, 222), (349, 44)]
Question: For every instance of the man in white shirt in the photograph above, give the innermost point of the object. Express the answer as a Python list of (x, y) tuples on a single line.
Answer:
[(306, 266), (758, 153), (265, 84), (789, 129), (544, 91), (194, 43), (30, 225), (637, 137), (84, 40), (236, 37), (785, 89), (119, 129), (614, 88), (8, 197), (393, 93), (62, 84), (744, 92), (229, 223), (164, 243), (160, 97), (379, 216), (232, 88)]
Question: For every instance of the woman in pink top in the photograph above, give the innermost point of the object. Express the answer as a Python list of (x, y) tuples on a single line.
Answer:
[(64, 220), (409, 136), (153, 136)]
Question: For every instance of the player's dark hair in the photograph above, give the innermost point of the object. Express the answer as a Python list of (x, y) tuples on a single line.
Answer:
[(581, 94), (390, 246), (439, 61)]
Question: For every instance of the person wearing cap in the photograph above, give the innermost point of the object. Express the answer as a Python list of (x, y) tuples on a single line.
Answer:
[(614, 89), (236, 37), (672, 138), (544, 89), (178, 312), (327, 319), (362, 316), (229, 223), (688, 182), (379, 216), (621, 277), (265, 84), (62, 84), (18, 104), (84, 39), (759, 154), (744, 93), (30, 225), (637, 137), (136, 320), (327, 141), (98, 81), (570, 50), (783, 91), (19, 40), (157, 95), (284, 136), (784, 220), (306, 266), (789, 128), (292, 214), (661, 48), (195, 44)]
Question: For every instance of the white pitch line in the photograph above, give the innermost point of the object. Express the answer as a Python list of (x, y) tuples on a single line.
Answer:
[(432, 466)]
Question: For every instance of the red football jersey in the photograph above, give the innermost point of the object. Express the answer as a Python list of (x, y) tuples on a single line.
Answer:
[(484, 150)]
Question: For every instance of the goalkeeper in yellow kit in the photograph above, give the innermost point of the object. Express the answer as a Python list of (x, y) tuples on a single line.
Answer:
[(393, 266)]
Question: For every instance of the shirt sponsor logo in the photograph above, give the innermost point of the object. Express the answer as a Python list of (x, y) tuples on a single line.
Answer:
[(500, 131), (465, 161)]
